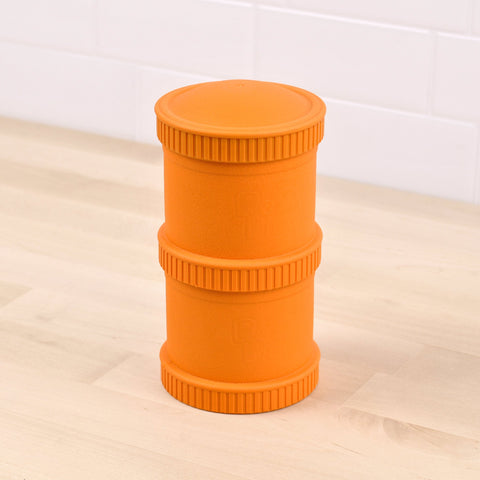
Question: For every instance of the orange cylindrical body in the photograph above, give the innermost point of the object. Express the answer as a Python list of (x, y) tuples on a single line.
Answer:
[(240, 211), (227, 340), (239, 245)]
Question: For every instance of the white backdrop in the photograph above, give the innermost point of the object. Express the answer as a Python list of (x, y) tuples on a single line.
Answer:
[(401, 79)]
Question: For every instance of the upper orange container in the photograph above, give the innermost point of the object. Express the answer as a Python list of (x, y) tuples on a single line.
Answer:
[(261, 207), (240, 244)]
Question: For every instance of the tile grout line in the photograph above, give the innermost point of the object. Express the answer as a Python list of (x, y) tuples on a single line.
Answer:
[(96, 26), (396, 111), (470, 19), (432, 73), (98, 55), (392, 25), (255, 40), (345, 18)]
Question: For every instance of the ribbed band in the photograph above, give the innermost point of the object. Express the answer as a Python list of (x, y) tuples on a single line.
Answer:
[(238, 275), (253, 397), (239, 150)]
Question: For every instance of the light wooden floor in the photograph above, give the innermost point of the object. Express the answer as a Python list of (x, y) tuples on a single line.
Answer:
[(82, 319)]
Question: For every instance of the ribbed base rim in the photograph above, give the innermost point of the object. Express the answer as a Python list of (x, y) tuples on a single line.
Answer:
[(253, 397)]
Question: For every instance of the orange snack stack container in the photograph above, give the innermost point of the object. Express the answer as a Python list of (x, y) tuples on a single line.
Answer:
[(240, 244)]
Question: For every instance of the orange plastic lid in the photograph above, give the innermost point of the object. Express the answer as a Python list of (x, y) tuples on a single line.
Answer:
[(240, 121)]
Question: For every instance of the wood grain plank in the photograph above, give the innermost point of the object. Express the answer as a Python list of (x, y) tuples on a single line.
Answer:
[(250, 446), (81, 247), (10, 291), (43, 271), (56, 452), (361, 348), (439, 389), (95, 219), (84, 154), (65, 357), (115, 325), (142, 200)]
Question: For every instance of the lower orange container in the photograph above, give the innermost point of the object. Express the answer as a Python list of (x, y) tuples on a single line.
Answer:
[(239, 331)]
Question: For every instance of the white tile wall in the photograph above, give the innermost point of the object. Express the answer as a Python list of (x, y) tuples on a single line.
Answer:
[(277, 3), (457, 85), (67, 89), (354, 61), (430, 155), (56, 23), (476, 17), (188, 35), (438, 14), (401, 79)]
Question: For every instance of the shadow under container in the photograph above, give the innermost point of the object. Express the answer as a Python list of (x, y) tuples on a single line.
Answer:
[(240, 244)]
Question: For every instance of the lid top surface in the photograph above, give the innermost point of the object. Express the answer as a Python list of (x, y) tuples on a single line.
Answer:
[(240, 108)]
